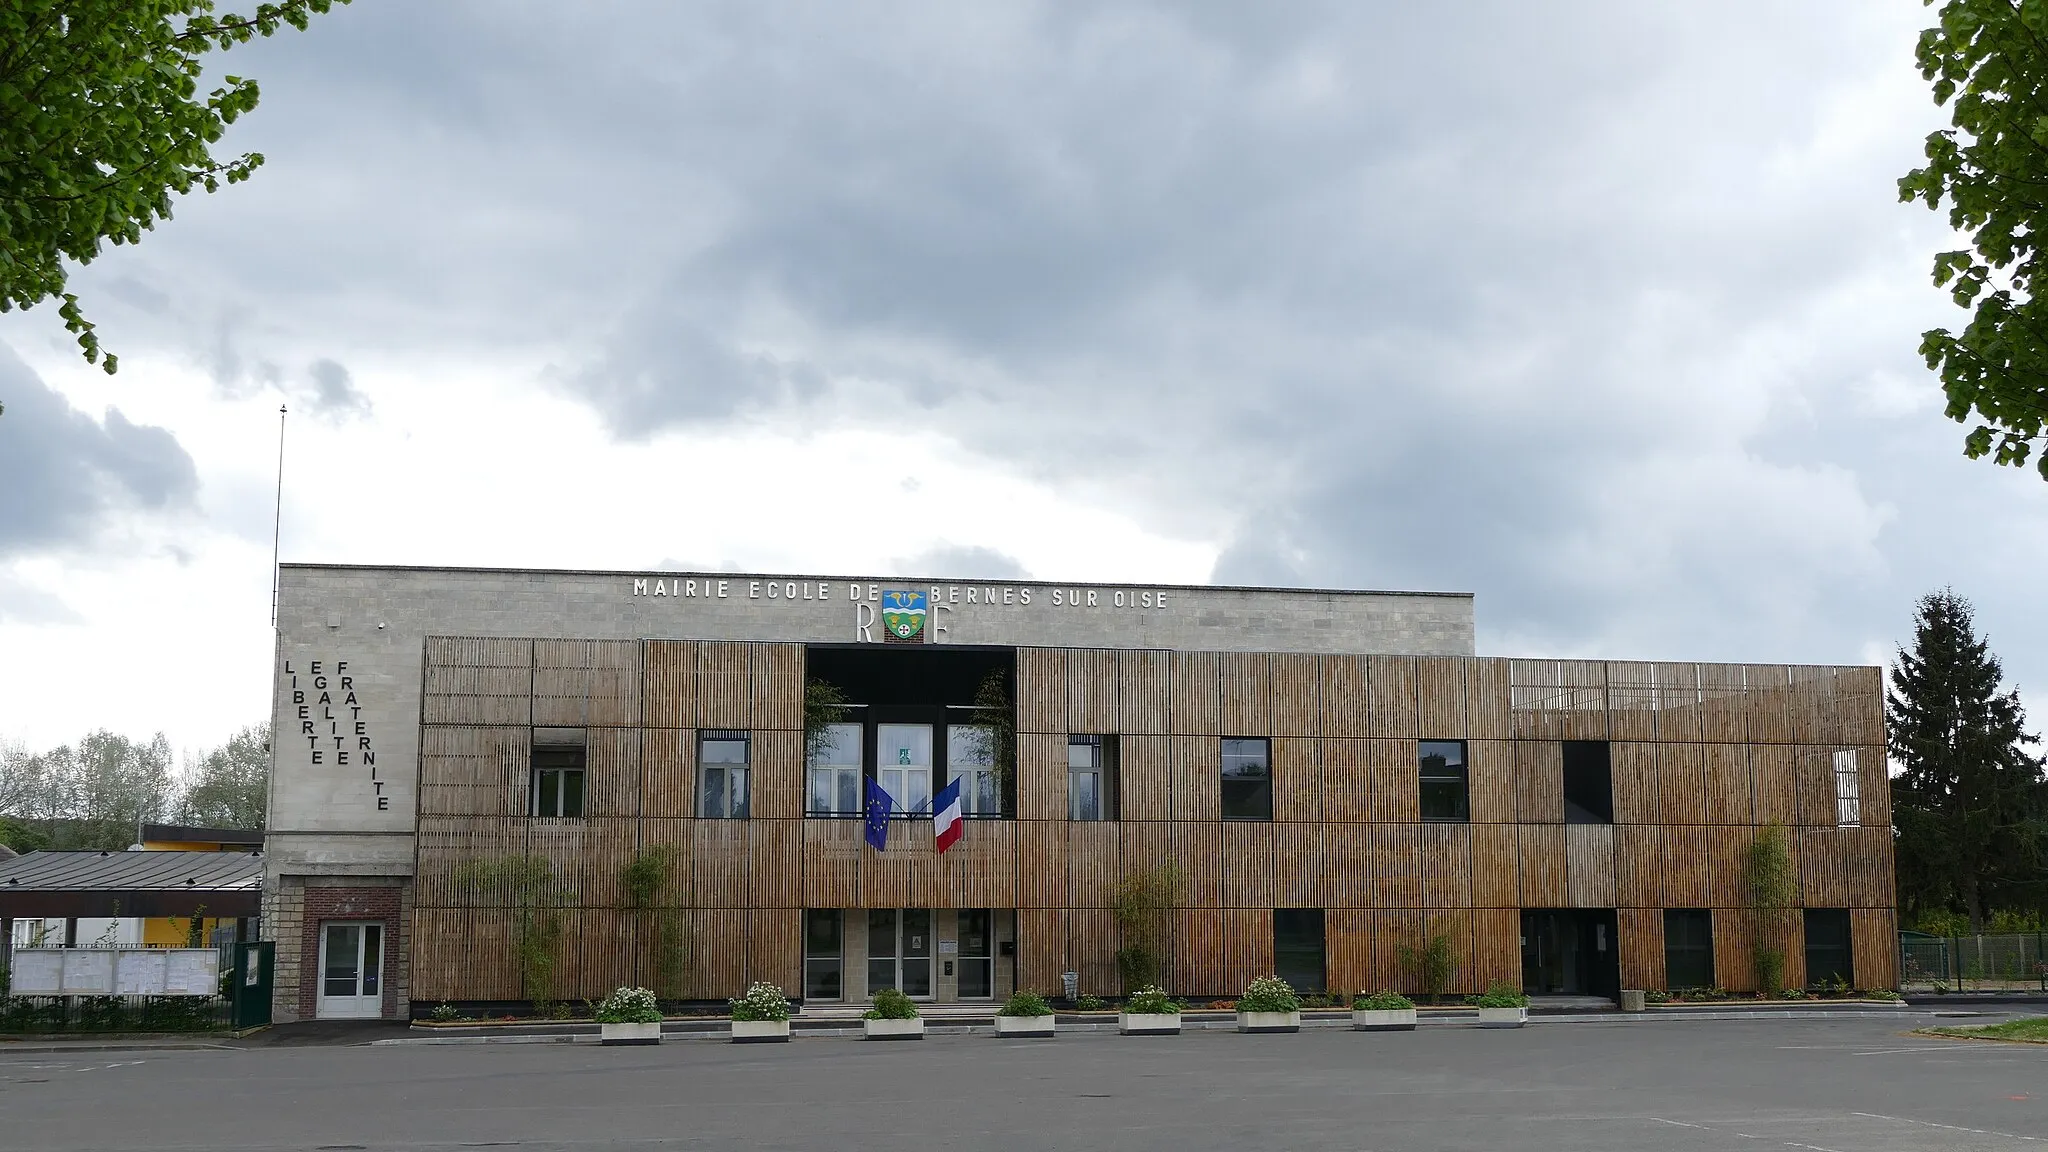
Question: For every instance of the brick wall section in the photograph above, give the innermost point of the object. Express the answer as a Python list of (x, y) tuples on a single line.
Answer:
[(347, 898)]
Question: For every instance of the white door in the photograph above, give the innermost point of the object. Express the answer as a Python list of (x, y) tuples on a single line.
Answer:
[(351, 971)]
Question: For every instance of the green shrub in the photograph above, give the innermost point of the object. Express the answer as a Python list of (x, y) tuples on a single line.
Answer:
[(1501, 994), (629, 1006), (1138, 966), (444, 1013), (763, 1001), (1023, 1003), (1269, 994), (1883, 994), (1381, 1001), (1087, 1003), (1656, 996), (1792, 994), (1431, 966), (1152, 1001), (890, 1004)]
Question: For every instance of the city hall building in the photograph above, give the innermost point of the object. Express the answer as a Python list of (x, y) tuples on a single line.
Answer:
[(498, 786)]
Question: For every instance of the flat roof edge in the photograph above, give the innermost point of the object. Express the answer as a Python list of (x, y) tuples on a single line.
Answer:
[(645, 572)]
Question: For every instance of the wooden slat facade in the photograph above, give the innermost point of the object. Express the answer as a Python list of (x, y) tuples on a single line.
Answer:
[(1702, 756)]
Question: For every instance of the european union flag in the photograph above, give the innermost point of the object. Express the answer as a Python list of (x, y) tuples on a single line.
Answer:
[(879, 803)]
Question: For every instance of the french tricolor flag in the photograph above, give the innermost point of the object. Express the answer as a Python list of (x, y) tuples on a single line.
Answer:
[(946, 814)]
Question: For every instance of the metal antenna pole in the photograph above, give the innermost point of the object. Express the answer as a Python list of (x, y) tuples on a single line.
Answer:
[(277, 522)]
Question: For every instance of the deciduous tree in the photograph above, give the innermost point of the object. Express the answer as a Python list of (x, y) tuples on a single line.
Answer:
[(1988, 61), (102, 122)]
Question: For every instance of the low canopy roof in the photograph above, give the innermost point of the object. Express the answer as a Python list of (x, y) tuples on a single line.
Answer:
[(227, 884)]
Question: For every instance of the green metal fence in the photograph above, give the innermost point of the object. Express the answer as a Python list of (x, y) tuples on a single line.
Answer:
[(2013, 962)]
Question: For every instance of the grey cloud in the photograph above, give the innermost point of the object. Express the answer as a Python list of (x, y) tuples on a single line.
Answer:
[(963, 562), (334, 395), (22, 604), (1566, 305), (63, 475)]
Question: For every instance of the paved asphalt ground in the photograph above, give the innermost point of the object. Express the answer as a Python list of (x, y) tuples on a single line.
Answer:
[(1820, 1085)]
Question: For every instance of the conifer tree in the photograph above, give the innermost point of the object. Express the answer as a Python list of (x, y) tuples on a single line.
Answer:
[(1968, 805)]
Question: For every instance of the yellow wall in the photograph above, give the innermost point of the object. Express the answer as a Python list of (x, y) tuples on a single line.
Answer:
[(170, 931)]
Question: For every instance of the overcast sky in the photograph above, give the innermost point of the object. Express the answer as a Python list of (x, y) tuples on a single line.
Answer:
[(1604, 312)]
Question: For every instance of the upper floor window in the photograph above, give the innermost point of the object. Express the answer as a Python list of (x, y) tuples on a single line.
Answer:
[(1588, 782), (834, 769), (1848, 790), (1446, 784), (971, 759), (1247, 779), (903, 766), (556, 787), (1091, 777), (723, 759)]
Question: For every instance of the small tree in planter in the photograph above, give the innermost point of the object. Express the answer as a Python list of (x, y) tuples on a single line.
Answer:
[(893, 1017), (629, 1016), (1269, 1005), (1502, 1006), (1024, 1014), (761, 1016), (1150, 1012), (1382, 1012)]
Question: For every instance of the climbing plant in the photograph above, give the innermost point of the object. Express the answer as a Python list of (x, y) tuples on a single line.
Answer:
[(824, 706), (648, 883), (1771, 892), (529, 889), (1144, 902)]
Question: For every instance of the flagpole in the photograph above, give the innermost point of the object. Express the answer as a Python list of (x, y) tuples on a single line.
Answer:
[(277, 517)]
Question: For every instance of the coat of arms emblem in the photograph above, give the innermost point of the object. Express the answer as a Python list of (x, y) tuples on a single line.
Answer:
[(903, 617)]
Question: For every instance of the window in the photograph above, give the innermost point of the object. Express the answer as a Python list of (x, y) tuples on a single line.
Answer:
[(824, 938), (1828, 959), (971, 759), (903, 762), (1247, 780), (1848, 790), (1688, 948), (557, 785), (1588, 782), (1091, 777), (722, 762), (1298, 947), (835, 772), (1446, 788)]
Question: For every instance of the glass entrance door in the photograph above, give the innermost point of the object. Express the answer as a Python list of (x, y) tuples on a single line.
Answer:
[(351, 971), (900, 951), (977, 955)]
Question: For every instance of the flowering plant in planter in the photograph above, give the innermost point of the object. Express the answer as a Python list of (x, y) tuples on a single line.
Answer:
[(763, 1001), (1269, 1005), (1269, 994), (1151, 1001), (1024, 1014), (1023, 1003), (890, 1004), (1381, 1002), (629, 1006), (1382, 1012), (1501, 994)]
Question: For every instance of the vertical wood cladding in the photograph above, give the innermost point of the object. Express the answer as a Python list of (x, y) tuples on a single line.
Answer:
[(1701, 757)]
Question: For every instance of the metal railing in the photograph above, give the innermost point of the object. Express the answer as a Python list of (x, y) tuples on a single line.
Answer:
[(45, 1014), (2012, 962)]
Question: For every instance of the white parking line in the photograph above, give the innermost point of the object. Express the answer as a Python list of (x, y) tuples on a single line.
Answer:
[(1951, 1127)]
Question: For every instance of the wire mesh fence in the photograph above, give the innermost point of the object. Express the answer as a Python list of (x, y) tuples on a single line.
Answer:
[(2012, 962)]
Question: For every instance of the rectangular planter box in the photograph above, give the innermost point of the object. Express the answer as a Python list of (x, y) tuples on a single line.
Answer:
[(1148, 1023), (1269, 1021), (760, 1031), (912, 1029), (1389, 1020), (1024, 1025), (1503, 1017), (629, 1033)]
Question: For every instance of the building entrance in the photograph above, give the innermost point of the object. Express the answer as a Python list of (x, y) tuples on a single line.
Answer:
[(1570, 952), (900, 951), (351, 971)]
